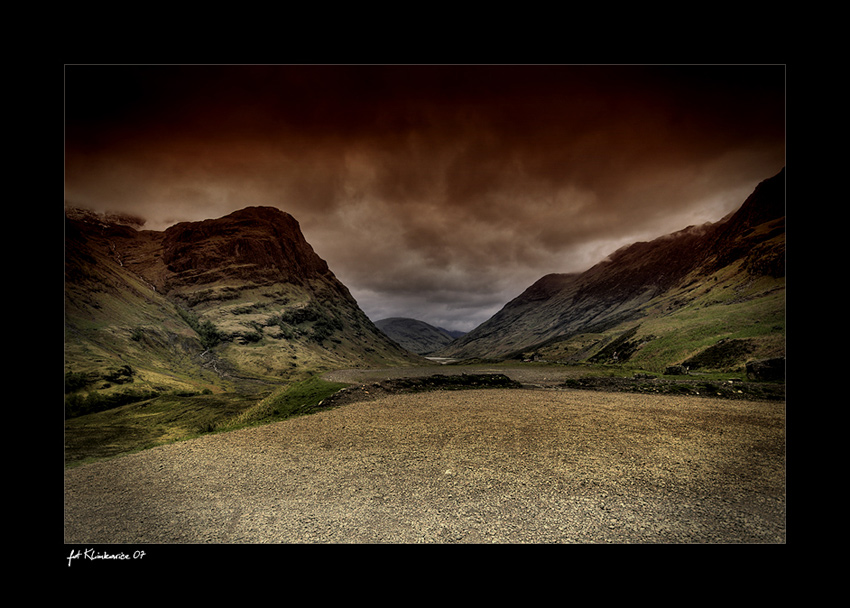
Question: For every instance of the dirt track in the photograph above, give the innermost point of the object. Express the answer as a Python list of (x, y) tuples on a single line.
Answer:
[(477, 466)]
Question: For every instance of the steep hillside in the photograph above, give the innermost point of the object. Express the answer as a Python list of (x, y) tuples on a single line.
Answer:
[(221, 304), (416, 336), (120, 332), (658, 303)]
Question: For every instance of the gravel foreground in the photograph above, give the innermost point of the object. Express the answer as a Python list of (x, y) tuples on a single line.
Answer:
[(474, 466)]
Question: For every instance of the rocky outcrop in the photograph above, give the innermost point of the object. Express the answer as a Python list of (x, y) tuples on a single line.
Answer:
[(772, 369), (261, 245)]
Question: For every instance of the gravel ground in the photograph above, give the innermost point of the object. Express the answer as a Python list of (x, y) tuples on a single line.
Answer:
[(475, 466)]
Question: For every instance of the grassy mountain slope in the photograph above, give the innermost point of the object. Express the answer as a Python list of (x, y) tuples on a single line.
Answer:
[(244, 297), (215, 315), (114, 319), (716, 290)]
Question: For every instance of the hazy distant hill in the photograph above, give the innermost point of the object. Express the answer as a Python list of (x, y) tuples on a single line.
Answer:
[(416, 336), (206, 305), (710, 296)]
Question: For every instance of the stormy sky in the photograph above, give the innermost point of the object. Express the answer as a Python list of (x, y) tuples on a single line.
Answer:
[(434, 192)]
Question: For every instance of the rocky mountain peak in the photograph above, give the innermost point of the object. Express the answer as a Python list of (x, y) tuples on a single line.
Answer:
[(242, 300), (766, 203), (260, 244)]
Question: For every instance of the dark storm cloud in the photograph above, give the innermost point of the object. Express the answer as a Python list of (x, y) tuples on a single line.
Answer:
[(437, 192)]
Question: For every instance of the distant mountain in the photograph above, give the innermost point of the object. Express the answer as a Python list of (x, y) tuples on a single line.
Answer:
[(454, 333), (237, 301), (416, 336), (717, 288)]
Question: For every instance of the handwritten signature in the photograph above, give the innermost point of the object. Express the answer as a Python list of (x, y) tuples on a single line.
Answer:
[(91, 554)]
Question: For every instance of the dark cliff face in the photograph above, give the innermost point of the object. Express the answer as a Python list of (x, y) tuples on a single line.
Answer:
[(751, 232), (260, 244), (766, 203)]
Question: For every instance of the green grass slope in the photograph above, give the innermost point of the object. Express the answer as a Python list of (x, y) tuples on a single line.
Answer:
[(719, 324), (710, 297), (148, 358)]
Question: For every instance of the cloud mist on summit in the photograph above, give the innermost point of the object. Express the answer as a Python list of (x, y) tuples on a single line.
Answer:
[(433, 192)]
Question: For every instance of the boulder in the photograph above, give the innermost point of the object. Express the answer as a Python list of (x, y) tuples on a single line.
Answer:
[(767, 369)]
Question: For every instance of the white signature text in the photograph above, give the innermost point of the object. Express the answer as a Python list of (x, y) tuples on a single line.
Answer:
[(91, 554)]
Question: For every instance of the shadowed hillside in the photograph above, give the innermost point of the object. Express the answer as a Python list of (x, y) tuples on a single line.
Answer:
[(416, 336), (658, 303), (236, 303)]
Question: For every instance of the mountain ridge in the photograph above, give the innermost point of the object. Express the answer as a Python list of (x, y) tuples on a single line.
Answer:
[(245, 298), (647, 281), (414, 335), (241, 300)]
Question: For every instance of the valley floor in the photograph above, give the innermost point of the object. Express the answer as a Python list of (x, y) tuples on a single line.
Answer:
[(475, 466)]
